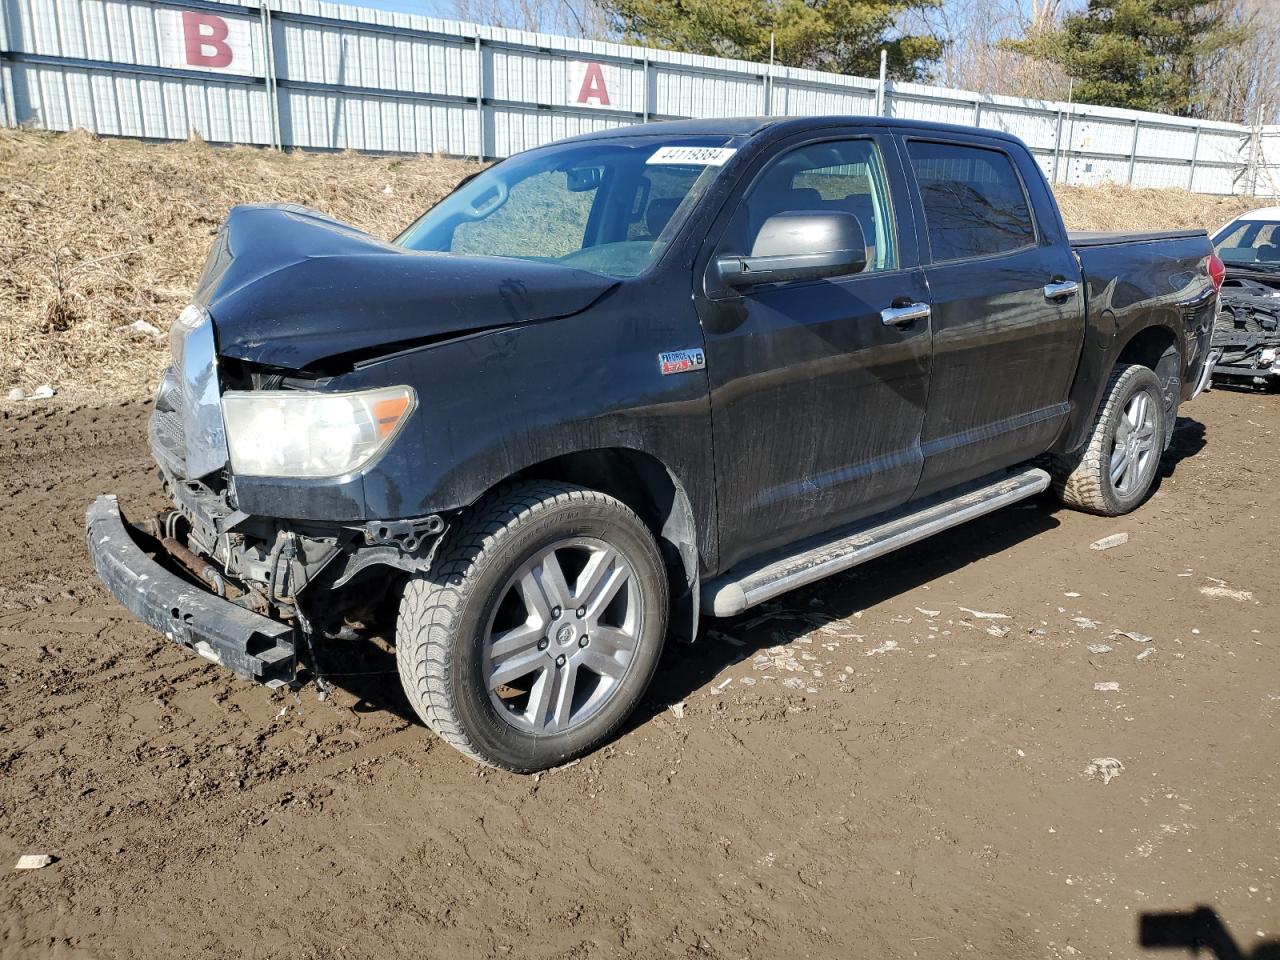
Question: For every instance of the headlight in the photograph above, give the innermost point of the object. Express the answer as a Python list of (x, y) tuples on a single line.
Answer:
[(289, 433), (190, 318)]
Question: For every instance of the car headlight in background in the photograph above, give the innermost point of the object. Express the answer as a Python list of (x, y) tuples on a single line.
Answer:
[(293, 433)]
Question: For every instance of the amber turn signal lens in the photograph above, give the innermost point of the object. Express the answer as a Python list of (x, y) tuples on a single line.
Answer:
[(387, 413)]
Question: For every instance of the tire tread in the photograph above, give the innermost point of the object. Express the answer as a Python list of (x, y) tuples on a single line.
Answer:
[(431, 604), (1078, 478)]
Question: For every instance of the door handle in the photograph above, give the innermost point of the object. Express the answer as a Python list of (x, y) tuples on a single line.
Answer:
[(908, 313), (1060, 289)]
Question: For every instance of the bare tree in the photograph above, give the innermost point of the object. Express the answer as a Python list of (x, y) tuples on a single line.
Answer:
[(576, 18), (973, 59), (1242, 82)]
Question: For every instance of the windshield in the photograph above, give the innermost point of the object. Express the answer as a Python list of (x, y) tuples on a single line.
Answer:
[(611, 206), (1254, 242)]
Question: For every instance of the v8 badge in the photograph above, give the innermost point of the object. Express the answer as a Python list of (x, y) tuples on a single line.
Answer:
[(681, 361)]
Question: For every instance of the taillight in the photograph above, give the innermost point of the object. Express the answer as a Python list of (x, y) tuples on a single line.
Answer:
[(1217, 271)]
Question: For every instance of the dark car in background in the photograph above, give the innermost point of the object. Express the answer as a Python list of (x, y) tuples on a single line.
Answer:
[(614, 384)]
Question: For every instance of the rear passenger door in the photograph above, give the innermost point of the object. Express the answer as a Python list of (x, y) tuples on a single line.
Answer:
[(1008, 316)]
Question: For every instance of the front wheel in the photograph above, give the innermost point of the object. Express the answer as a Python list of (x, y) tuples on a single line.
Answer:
[(538, 628), (1114, 471)]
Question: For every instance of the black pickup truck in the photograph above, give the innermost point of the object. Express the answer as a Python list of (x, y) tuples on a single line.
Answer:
[(615, 383)]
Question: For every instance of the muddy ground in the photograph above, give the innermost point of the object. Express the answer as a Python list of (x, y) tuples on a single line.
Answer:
[(870, 771)]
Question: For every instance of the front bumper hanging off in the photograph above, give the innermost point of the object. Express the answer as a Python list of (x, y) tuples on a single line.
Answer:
[(254, 646)]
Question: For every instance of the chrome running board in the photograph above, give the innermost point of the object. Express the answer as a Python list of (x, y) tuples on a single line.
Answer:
[(777, 572)]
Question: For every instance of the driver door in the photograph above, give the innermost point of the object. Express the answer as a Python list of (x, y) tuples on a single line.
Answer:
[(817, 400)]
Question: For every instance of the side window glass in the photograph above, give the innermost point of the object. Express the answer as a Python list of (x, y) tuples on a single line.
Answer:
[(544, 216), (659, 192), (843, 176), (974, 205)]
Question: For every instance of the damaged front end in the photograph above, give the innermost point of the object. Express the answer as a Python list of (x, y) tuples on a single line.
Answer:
[(1247, 333), (243, 590)]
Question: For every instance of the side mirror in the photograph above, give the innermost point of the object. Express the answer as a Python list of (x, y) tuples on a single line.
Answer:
[(801, 245)]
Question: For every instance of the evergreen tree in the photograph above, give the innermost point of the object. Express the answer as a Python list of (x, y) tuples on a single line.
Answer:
[(1140, 54), (840, 36)]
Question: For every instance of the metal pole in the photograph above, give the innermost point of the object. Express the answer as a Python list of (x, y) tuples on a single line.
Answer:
[(1255, 152), (1133, 153), (1057, 147), (479, 101), (977, 113), (644, 103), (273, 94), (1071, 126), (1195, 152), (768, 81), (880, 92), (6, 71)]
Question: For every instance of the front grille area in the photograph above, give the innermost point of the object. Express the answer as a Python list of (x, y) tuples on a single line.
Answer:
[(166, 430)]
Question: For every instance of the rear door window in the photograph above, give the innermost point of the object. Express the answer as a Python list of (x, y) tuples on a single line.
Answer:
[(974, 203)]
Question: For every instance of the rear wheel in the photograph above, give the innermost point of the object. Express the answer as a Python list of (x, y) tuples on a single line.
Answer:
[(538, 628), (1114, 471)]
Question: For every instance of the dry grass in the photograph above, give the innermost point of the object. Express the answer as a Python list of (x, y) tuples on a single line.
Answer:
[(1120, 208), (96, 234)]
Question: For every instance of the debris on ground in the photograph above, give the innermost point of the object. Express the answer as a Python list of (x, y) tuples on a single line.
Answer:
[(928, 613), (777, 658), (1223, 592), (884, 647), (33, 861), (1108, 768), (1106, 543), (42, 392), (1145, 653), (17, 393), (1136, 637), (1107, 686), (998, 631), (984, 615), (142, 328), (677, 710), (1084, 623), (1099, 648)]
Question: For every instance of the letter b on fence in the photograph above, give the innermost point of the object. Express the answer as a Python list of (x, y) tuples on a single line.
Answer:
[(193, 40), (205, 40)]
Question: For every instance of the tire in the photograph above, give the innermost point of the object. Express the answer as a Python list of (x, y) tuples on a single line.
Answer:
[(1084, 480), (1169, 373), (502, 702)]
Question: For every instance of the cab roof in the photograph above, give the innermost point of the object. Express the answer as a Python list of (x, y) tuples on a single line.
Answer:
[(775, 127)]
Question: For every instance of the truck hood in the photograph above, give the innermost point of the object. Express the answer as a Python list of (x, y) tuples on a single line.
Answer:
[(289, 287)]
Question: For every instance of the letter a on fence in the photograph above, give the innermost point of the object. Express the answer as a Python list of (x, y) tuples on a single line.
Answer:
[(587, 87)]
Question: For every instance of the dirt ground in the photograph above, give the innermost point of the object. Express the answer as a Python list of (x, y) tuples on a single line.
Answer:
[(870, 768)]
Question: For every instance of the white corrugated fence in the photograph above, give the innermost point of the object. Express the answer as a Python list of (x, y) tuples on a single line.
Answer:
[(306, 73)]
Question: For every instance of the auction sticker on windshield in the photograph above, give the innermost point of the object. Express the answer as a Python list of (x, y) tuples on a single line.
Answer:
[(699, 156)]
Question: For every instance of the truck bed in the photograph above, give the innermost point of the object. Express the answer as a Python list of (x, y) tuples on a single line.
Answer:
[(1091, 238)]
